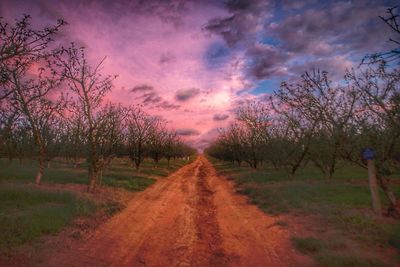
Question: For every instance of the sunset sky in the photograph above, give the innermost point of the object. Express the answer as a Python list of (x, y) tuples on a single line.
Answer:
[(193, 62)]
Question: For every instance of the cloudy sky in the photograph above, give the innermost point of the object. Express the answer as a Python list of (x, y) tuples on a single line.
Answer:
[(192, 62)]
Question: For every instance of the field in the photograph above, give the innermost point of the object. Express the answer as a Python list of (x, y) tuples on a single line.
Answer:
[(28, 211), (330, 220)]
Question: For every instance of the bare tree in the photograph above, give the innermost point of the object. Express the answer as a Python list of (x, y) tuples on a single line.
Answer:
[(21, 45), (329, 108), (379, 123), (255, 118), (74, 138), (170, 145), (139, 125), (89, 88), (110, 122), (28, 96), (296, 127), (157, 138), (393, 22), (23, 92)]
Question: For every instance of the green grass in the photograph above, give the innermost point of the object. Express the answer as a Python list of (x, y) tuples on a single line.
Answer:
[(332, 253), (27, 212), (281, 197), (329, 259), (265, 174)]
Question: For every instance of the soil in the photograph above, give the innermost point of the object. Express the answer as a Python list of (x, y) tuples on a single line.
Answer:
[(191, 218)]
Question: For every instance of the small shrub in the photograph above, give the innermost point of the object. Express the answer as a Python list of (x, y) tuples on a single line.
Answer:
[(112, 207)]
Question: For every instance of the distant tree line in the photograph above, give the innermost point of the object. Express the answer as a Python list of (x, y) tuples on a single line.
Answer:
[(315, 120), (52, 104)]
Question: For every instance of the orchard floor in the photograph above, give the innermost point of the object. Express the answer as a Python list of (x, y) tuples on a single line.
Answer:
[(330, 220), (191, 218)]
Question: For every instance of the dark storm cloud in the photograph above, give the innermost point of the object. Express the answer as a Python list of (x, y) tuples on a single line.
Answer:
[(187, 132), (186, 94), (243, 22), (296, 35), (266, 61), (343, 27), (220, 117)]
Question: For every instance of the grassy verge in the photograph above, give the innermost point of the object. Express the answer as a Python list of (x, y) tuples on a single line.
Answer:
[(338, 208), (121, 173), (28, 212)]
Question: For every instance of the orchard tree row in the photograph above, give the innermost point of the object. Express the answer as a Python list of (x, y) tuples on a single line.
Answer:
[(320, 121), (53, 104)]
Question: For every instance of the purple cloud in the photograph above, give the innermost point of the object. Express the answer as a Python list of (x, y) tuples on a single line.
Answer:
[(186, 94), (142, 88), (220, 117)]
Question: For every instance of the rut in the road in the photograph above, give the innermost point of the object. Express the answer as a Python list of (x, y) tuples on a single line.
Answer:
[(208, 249)]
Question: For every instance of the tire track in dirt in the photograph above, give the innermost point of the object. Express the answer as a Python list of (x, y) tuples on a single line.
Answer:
[(208, 247)]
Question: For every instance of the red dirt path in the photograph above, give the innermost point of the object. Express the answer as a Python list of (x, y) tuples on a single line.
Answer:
[(191, 218)]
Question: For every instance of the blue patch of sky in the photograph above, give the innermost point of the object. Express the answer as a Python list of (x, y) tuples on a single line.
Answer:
[(270, 41), (263, 86), (266, 86)]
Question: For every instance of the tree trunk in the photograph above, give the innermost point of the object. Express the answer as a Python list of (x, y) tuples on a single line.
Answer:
[(329, 173), (137, 165), (42, 161), (92, 181), (394, 207), (290, 173), (293, 170), (328, 176), (75, 162), (373, 186), (156, 159)]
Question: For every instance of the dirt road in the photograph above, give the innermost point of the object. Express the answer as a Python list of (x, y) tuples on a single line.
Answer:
[(191, 218)]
